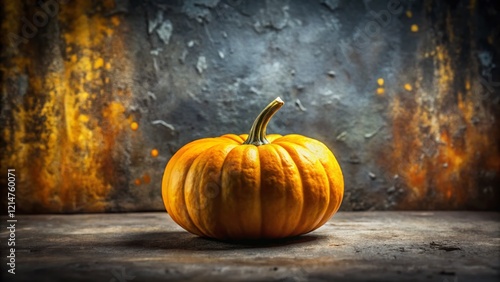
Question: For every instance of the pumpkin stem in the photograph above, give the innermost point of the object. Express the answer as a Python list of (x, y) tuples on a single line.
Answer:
[(257, 135)]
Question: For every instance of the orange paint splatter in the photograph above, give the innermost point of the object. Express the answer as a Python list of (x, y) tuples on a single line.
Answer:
[(146, 178), (380, 91), (154, 153), (98, 63), (137, 182), (115, 20), (408, 87), (134, 126)]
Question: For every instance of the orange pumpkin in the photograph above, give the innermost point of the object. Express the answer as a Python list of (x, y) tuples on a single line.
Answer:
[(253, 186)]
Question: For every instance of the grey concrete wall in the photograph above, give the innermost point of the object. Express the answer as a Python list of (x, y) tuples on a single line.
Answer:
[(425, 138)]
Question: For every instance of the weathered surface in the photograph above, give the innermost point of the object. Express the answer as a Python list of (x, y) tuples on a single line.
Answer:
[(406, 95), (354, 246)]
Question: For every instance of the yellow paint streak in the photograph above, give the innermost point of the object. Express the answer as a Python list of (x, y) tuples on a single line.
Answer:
[(81, 146), (91, 30), (380, 91), (68, 161), (443, 65), (408, 87), (414, 28), (380, 82)]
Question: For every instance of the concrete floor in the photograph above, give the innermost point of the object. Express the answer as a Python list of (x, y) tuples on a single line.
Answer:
[(353, 246)]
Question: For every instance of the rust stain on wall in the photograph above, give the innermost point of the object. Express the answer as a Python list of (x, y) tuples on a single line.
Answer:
[(445, 137), (64, 130)]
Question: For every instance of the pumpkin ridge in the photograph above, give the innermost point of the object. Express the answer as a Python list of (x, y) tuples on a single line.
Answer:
[(290, 184), (174, 213), (306, 226), (229, 212), (232, 137), (243, 137), (327, 215), (259, 186), (220, 215), (282, 232), (283, 150), (190, 216), (213, 211), (197, 189), (262, 222), (338, 194), (293, 231), (320, 219), (244, 160), (183, 206)]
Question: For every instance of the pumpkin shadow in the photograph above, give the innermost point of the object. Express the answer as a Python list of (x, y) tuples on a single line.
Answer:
[(180, 240)]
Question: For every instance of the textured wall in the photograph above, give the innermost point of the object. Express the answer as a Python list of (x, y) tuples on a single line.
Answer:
[(96, 96)]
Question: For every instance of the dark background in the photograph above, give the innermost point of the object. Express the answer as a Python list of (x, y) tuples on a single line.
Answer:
[(77, 75)]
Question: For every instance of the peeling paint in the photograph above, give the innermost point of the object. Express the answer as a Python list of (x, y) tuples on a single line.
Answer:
[(164, 31), (201, 65)]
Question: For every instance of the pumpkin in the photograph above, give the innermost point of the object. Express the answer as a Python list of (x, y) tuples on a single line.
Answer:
[(253, 186)]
